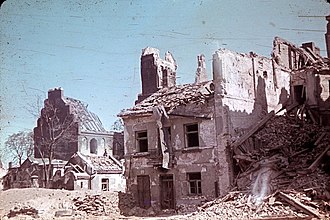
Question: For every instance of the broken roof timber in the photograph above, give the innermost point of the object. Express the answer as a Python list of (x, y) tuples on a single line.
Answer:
[(172, 98)]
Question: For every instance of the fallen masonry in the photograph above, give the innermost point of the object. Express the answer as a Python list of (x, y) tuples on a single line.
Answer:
[(241, 205), (96, 205)]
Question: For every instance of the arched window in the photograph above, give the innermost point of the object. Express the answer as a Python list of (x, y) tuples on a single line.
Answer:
[(93, 146)]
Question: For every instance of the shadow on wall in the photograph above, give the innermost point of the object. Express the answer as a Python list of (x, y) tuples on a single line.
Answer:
[(284, 96)]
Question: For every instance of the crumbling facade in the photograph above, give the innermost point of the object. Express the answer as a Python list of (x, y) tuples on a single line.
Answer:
[(310, 81), (177, 139)]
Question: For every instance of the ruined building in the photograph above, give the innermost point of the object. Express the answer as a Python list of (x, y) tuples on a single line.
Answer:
[(82, 150), (310, 77), (87, 134), (177, 138)]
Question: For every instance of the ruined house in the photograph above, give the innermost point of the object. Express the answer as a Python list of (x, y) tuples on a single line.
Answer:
[(94, 172), (310, 77), (177, 136), (81, 132)]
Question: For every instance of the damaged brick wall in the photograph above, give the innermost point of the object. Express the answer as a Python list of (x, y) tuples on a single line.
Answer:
[(250, 87), (247, 87)]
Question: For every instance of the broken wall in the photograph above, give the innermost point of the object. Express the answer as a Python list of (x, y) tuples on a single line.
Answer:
[(247, 87), (251, 86), (116, 182)]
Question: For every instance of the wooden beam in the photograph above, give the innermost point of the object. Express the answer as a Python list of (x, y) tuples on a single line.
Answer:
[(320, 139), (292, 201), (253, 130), (318, 160)]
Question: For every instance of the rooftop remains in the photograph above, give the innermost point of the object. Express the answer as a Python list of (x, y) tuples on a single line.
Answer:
[(306, 56), (171, 98), (103, 164)]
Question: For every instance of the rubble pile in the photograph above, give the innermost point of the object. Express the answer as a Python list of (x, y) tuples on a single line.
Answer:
[(126, 203), (285, 155), (97, 205), (23, 210), (241, 205)]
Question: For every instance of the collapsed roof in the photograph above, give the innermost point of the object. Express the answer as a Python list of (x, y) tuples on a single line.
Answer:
[(96, 164), (171, 98)]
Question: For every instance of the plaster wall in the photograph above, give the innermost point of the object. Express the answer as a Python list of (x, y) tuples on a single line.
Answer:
[(103, 142), (115, 182), (251, 86)]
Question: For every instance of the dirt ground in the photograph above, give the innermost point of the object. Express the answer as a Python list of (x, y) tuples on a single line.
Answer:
[(49, 203), (46, 201)]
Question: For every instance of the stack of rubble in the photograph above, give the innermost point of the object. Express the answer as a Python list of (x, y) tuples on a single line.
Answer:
[(126, 203), (283, 153), (240, 205), (97, 205), (287, 154)]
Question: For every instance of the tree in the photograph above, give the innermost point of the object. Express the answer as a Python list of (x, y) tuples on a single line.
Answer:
[(56, 127), (118, 125), (20, 145)]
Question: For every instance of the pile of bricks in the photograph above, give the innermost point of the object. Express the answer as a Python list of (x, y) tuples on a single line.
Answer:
[(97, 205), (291, 155), (285, 153), (280, 205)]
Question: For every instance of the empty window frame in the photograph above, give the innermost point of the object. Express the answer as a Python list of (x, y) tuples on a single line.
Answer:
[(142, 141), (192, 135), (105, 184), (195, 183)]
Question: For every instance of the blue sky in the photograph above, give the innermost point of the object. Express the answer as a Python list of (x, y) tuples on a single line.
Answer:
[(91, 48)]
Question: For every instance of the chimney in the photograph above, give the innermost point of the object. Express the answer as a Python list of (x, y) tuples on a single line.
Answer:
[(10, 165), (56, 93), (156, 73), (201, 74), (327, 36)]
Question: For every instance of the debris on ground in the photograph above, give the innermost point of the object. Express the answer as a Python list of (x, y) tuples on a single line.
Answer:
[(23, 210), (97, 205)]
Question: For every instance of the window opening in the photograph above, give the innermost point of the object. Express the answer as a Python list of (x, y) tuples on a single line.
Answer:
[(105, 184), (192, 139), (195, 183), (142, 141), (93, 146)]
